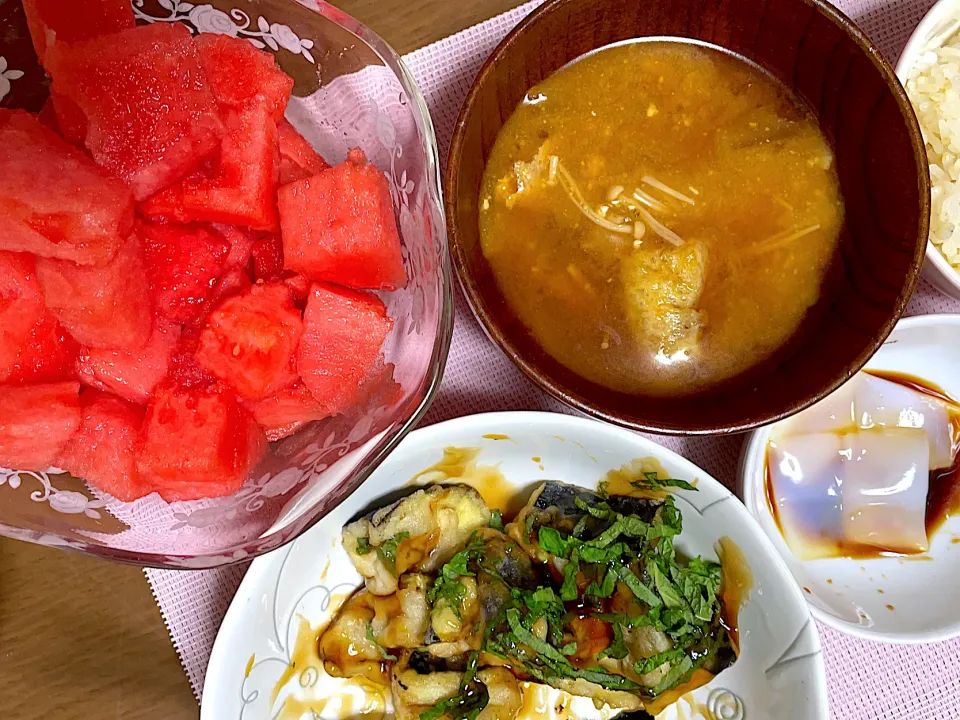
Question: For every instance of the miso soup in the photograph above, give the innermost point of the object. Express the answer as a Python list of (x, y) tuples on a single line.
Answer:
[(660, 215)]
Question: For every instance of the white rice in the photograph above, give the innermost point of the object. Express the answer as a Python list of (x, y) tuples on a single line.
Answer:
[(934, 89)]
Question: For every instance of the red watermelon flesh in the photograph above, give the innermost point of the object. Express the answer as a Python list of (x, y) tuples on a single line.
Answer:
[(48, 355), (35, 423), (298, 159), (268, 257), (249, 342), (183, 264), (103, 450), (48, 116), (286, 411), (299, 287), (232, 282), (343, 331), (239, 188), (71, 121), (69, 21), (198, 442), (54, 202), (150, 113), (240, 75), (339, 227), (185, 371), (33, 346), (105, 307), (131, 375), (241, 243), (21, 306)]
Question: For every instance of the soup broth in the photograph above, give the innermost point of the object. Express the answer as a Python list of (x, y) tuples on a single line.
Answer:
[(660, 215)]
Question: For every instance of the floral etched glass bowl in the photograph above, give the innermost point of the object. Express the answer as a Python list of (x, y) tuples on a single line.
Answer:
[(351, 90)]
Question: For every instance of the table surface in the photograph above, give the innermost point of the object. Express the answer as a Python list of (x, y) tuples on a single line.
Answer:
[(82, 639)]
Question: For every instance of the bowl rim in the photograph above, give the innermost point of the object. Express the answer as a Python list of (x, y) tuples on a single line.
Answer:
[(433, 190), (750, 463), (919, 42), (479, 306)]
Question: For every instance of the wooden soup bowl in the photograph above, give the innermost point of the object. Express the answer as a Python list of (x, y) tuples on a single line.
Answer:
[(864, 113)]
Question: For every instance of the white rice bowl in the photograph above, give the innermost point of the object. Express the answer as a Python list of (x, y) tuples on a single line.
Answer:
[(933, 85)]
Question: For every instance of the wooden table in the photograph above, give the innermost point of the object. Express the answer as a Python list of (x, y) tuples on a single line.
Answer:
[(82, 639)]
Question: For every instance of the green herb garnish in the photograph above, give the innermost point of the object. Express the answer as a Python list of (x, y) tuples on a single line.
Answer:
[(388, 550), (471, 698), (648, 665), (652, 481), (380, 649), (448, 586), (617, 649)]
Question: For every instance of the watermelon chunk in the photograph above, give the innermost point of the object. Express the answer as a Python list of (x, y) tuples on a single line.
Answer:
[(48, 116), (286, 411), (54, 202), (131, 375), (35, 423), (185, 371), (183, 264), (33, 346), (69, 21), (239, 188), (299, 287), (250, 340), (105, 306), (198, 442), (48, 355), (71, 120), (343, 331), (241, 243), (103, 450), (21, 305), (298, 159), (151, 116), (339, 227), (232, 282), (268, 257), (240, 75)]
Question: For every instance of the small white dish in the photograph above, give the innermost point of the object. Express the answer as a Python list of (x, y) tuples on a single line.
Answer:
[(780, 671), (846, 593), (940, 23)]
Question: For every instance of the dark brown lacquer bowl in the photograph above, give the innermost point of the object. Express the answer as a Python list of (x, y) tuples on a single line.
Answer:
[(863, 111)]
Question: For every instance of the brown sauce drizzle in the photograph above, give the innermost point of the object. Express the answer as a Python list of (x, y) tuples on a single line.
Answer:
[(943, 497), (459, 465), (414, 550), (619, 481), (736, 584)]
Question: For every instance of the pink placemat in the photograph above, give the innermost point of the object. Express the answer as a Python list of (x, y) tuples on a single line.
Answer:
[(867, 681)]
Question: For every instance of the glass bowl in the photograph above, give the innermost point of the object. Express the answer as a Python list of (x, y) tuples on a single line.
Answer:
[(351, 90)]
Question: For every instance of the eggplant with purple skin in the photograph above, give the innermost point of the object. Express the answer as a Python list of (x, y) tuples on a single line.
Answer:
[(417, 533), (472, 590)]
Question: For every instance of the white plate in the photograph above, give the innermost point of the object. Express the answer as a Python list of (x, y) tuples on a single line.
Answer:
[(780, 671), (845, 593)]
